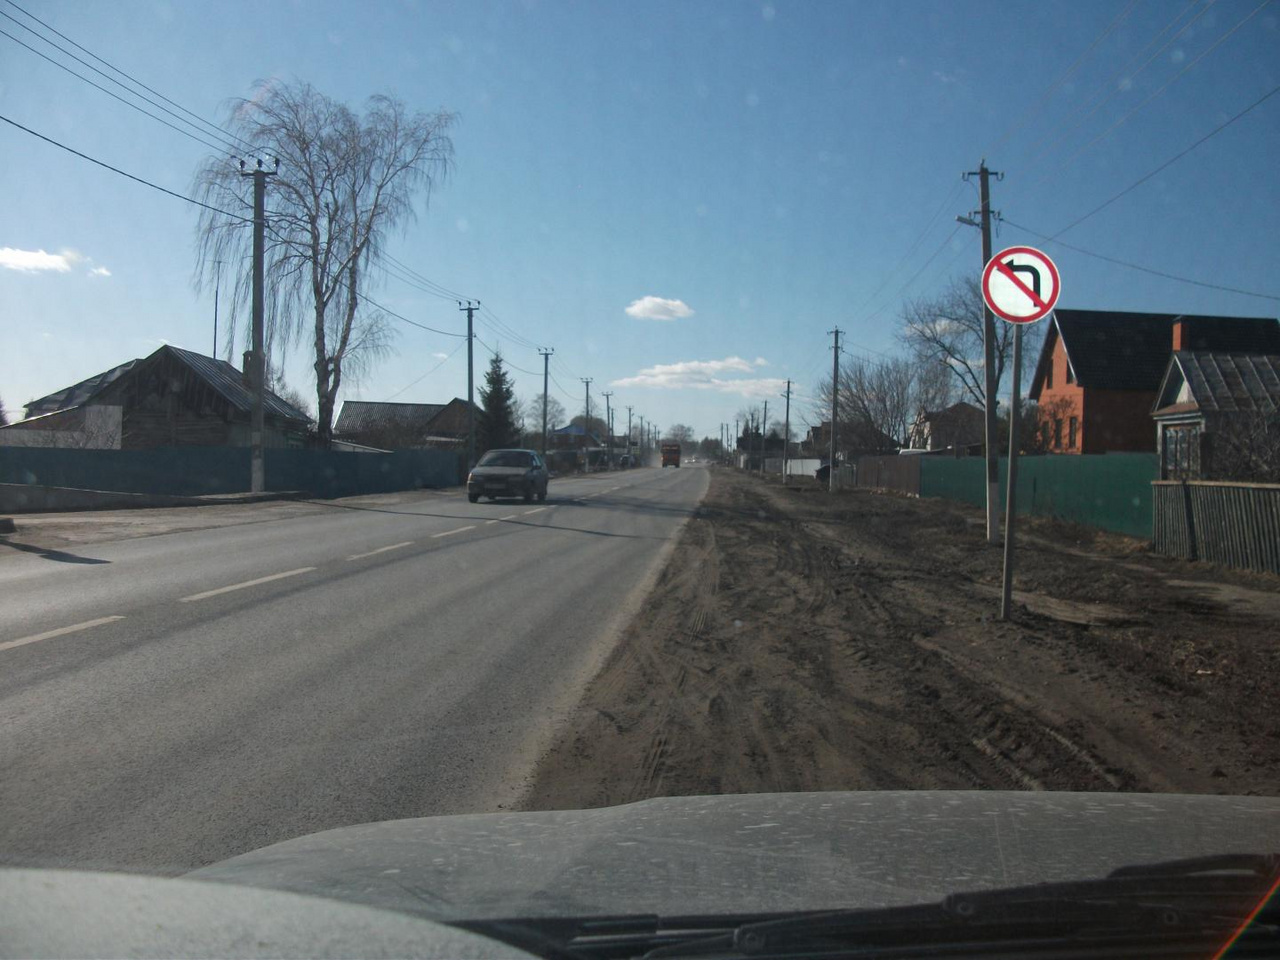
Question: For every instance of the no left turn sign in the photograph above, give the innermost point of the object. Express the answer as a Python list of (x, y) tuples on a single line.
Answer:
[(1021, 285)]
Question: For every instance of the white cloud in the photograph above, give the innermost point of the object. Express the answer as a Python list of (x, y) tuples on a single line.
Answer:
[(947, 78), (441, 356), (37, 261), (658, 308), (706, 375), (99, 272)]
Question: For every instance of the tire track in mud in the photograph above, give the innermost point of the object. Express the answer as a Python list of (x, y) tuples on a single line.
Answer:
[(792, 647)]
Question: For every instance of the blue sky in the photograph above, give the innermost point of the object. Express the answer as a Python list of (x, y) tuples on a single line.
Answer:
[(774, 169)]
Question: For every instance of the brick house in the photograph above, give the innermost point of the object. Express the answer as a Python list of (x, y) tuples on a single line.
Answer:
[(1099, 371)]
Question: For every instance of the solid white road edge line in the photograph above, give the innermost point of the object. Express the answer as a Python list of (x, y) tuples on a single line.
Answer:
[(50, 634), (373, 553), (449, 533), (247, 583)]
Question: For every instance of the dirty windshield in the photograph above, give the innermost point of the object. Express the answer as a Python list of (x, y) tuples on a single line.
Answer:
[(907, 378)]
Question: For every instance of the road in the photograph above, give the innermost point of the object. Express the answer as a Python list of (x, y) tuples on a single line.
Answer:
[(169, 701)]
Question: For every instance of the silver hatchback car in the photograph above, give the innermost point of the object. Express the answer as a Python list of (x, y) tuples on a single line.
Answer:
[(508, 473)]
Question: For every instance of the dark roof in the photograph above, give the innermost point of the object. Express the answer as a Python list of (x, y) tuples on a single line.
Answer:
[(76, 394), (1130, 351), (574, 430), (1225, 382), (962, 408), (229, 383), (221, 376), (359, 415)]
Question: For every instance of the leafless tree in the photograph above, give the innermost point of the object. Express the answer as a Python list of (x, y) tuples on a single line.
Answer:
[(345, 182), (946, 330), (679, 433), (1245, 447)]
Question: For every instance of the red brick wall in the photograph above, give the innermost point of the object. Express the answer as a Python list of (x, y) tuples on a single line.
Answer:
[(1062, 401), (1119, 420)]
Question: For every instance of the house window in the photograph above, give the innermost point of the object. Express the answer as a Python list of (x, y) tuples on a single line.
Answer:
[(1057, 433), (1072, 427), (1182, 452)]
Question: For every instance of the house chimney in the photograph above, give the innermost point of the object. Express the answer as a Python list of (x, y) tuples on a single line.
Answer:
[(1179, 335)]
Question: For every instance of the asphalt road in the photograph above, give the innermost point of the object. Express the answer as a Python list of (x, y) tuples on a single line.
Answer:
[(169, 701)]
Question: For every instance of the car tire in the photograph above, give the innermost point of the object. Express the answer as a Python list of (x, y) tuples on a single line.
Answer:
[(473, 497), (542, 495), (528, 493)]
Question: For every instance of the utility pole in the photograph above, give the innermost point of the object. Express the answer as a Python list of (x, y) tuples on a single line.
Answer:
[(608, 430), (736, 435), (988, 353), (835, 407), (640, 439), (631, 461), (546, 371), (217, 285), (764, 436), (258, 364), (470, 310), (786, 439), (586, 421)]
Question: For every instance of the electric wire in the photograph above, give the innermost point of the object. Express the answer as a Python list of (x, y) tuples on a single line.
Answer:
[(212, 126), (425, 375), (213, 146), (1139, 267)]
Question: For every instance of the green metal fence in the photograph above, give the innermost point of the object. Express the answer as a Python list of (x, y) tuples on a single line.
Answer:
[(1110, 491), (202, 471)]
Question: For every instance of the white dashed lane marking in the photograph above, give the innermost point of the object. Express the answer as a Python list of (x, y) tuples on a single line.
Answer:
[(374, 553), (450, 533), (247, 583), (61, 631)]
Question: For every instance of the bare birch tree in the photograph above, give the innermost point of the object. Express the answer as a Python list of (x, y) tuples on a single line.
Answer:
[(345, 182)]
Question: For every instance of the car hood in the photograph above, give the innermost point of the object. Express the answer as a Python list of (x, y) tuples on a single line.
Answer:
[(749, 853), (499, 471)]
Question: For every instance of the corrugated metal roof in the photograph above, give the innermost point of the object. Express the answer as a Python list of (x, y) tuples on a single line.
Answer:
[(229, 383), (76, 394), (1232, 382), (360, 415)]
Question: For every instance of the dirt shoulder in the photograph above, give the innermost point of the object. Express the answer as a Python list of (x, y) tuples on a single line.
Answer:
[(800, 642)]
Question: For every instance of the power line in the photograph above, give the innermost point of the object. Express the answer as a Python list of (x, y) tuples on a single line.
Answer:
[(1157, 93), (391, 272), (427, 374), (107, 166), (1110, 82), (131, 79), (1168, 163), (1135, 266), (449, 294), (496, 352), (1031, 110), (214, 146)]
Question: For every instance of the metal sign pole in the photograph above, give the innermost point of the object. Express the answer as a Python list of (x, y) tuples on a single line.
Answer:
[(1011, 489)]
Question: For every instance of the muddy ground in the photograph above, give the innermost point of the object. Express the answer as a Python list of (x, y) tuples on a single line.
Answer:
[(798, 641)]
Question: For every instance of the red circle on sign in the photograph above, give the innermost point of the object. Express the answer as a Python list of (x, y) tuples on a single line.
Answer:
[(1043, 307)]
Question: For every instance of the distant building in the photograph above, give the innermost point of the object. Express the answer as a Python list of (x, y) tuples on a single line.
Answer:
[(1099, 371), (173, 397), (959, 425), (391, 426), (572, 437)]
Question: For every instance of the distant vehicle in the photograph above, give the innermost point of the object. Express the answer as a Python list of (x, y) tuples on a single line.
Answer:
[(671, 455), (626, 461), (508, 473)]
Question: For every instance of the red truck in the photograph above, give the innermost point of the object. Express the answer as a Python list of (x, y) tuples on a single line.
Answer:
[(671, 455)]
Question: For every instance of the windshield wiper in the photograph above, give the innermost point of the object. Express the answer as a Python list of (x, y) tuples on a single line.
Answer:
[(1182, 908)]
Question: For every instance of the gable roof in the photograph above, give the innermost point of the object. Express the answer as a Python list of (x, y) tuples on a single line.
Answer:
[(962, 408), (228, 382), (222, 378), (1113, 350), (359, 415), (78, 393), (1221, 382)]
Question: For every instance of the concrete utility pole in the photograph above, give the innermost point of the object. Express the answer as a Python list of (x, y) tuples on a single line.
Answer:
[(217, 285), (990, 385), (764, 426), (586, 421), (835, 408), (258, 361), (608, 430), (736, 435), (546, 372), (640, 438), (470, 310), (786, 439), (629, 433)]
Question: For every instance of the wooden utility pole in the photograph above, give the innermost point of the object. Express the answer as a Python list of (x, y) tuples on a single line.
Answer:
[(835, 408), (786, 430)]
